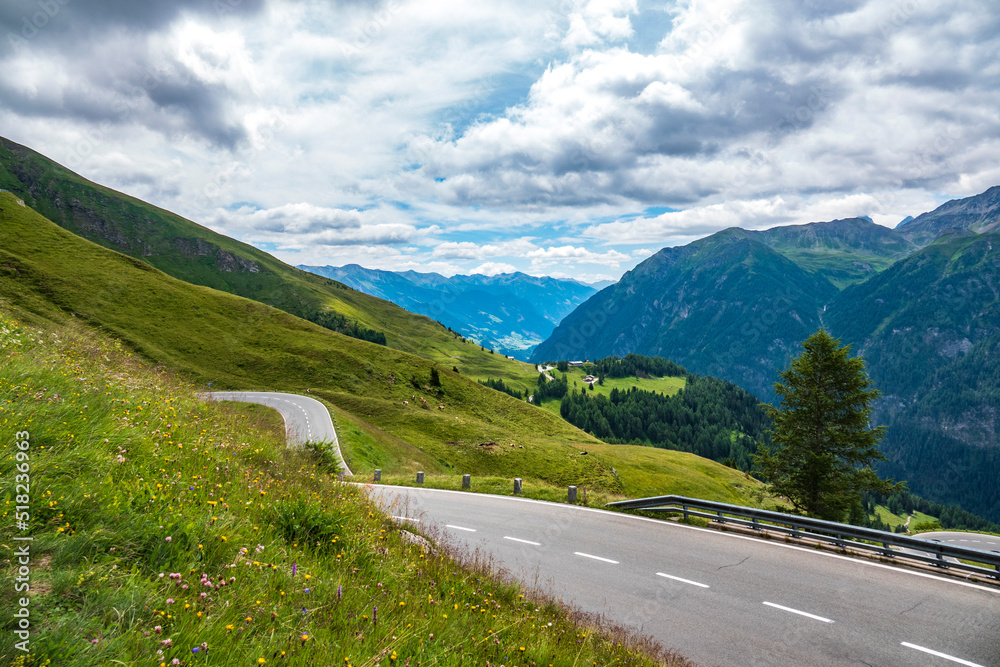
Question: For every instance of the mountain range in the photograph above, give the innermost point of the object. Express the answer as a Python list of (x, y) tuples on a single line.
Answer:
[(509, 312), (920, 303)]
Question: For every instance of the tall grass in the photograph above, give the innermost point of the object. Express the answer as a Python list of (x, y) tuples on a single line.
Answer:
[(172, 531)]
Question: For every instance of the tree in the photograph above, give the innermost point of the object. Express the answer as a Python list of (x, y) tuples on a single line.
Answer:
[(435, 378), (823, 442)]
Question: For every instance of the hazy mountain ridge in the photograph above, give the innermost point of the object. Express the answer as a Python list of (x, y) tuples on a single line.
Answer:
[(509, 312), (928, 325), (979, 213)]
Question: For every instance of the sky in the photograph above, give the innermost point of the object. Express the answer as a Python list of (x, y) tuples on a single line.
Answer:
[(571, 138)]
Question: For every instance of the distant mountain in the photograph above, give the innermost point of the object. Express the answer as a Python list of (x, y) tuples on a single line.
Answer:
[(919, 302), (509, 312), (727, 305), (980, 213), (842, 251)]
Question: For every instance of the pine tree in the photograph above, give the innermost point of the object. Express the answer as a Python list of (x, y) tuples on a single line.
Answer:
[(824, 445)]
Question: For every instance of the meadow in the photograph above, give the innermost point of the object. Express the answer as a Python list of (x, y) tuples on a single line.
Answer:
[(172, 531)]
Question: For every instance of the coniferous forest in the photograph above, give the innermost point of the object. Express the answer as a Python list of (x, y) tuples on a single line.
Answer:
[(709, 417)]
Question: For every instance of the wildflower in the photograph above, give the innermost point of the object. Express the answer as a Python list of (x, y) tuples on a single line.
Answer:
[(158, 629), (168, 539), (295, 567), (339, 592), (170, 600)]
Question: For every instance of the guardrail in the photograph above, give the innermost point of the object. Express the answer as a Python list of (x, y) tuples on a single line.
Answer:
[(889, 545)]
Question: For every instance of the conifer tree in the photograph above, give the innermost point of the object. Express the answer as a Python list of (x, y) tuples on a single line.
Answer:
[(823, 442)]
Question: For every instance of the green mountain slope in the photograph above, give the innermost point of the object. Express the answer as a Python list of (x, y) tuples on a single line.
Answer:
[(842, 251), (727, 306), (195, 254), (929, 328)]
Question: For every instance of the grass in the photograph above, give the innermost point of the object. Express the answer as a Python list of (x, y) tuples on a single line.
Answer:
[(167, 530), (193, 253), (882, 512)]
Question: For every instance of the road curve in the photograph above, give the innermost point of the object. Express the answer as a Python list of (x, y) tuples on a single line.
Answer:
[(719, 598), (306, 419), (983, 541)]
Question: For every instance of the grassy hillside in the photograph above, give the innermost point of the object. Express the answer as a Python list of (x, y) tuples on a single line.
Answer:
[(167, 530), (195, 254), (575, 376), (210, 336)]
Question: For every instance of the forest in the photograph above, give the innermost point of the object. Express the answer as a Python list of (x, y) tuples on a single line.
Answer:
[(709, 417)]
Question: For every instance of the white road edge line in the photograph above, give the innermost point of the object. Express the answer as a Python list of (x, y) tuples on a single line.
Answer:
[(685, 581), (800, 613), (471, 530), (406, 518), (517, 539), (606, 560), (941, 655)]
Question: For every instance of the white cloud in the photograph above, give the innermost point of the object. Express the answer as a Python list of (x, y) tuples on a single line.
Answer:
[(459, 135), (494, 268)]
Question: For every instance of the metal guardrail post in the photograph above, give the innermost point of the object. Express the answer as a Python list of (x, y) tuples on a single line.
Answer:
[(420, 478), (466, 481), (571, 494)]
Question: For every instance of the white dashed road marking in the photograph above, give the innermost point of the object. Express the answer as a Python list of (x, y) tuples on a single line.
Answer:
[(800, 613), (683, 581), (517, 539), (605, 560), (470, 530), (941, 655)]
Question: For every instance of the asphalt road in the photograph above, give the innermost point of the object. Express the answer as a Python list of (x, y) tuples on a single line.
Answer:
[(719, 598), (971, 540), (306, 419)]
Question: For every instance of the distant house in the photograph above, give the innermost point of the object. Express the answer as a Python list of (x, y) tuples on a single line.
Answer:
[(590, 379), (576, 363)]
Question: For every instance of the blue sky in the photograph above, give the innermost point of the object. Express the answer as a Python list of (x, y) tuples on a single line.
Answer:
[(570, 138)]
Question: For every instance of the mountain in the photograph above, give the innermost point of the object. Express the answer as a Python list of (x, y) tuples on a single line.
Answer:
[(929, 329), (980, 213), (919, 303), (509, 312), (843, 251), (195, 254), (727, 305)]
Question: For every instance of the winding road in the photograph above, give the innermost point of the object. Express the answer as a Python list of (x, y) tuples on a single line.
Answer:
[(306, 419), (719, 598)]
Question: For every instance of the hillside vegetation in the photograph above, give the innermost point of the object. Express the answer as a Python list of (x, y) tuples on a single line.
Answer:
[(168, 530), (197, 255), (403, 421)]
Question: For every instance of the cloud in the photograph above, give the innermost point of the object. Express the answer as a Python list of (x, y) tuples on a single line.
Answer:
[(494, 268), (536, 135)]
